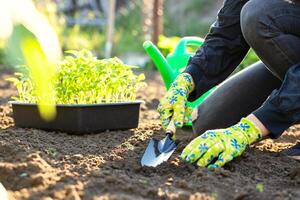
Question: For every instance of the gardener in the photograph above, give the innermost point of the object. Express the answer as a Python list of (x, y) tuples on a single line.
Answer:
[(272, 29)]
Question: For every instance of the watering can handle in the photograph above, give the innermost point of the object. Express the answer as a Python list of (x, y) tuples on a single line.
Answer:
[(160, 62), (186, 41)]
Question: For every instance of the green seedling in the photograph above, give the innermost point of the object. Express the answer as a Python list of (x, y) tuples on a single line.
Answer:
[(52, 152), (27, 48), (214, 195), (83, 79), (260, 187)]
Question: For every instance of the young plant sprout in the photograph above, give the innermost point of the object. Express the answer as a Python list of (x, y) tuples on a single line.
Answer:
[(83, 79)]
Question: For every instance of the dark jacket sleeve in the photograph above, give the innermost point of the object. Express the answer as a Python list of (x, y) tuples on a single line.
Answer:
[(223, 49), (282, 108)]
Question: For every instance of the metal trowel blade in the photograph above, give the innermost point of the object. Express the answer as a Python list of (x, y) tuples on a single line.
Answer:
[(158, 151)]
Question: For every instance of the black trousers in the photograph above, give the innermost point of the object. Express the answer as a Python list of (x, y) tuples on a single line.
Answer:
[(269, 89)]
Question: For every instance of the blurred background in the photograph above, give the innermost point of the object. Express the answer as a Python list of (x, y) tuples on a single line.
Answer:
[(119, 27)]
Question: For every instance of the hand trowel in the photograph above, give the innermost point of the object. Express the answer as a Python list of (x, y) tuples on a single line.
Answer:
[(159, 151)]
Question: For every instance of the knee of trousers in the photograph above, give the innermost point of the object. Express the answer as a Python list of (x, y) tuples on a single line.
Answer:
[(252, 14)]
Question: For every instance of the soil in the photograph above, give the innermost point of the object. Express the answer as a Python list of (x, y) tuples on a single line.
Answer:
[(36, 164)]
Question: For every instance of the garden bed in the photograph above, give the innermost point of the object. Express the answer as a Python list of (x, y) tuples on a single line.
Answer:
[(36, 164)]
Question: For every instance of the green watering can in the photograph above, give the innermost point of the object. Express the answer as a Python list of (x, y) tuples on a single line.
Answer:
[(175, 62)]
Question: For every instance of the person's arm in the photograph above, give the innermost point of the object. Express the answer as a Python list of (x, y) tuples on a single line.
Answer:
[(279, 112), (223, 49), (282, 108)]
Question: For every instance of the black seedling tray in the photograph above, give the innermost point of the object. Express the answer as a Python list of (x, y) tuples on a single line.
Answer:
[(80, 118)]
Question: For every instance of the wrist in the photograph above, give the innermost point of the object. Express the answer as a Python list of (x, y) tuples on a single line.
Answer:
[(264, 131), (249, 130), (190, 85)]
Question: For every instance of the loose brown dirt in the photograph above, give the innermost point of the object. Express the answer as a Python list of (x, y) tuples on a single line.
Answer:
[(36, 164)]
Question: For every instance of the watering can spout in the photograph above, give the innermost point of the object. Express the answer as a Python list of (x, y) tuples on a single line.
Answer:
[(166, 71)]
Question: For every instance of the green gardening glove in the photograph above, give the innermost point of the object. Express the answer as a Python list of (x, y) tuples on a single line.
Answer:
[(173, 105), (222, 144)]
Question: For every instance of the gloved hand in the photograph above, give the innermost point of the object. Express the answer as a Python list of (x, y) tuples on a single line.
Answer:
[(173, 105), (223, 144)]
